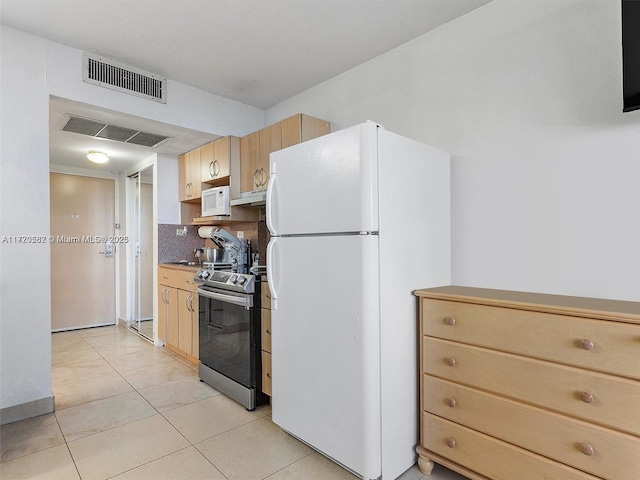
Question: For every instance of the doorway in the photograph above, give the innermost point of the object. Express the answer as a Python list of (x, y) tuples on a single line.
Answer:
[(83, 244), (141, 215)]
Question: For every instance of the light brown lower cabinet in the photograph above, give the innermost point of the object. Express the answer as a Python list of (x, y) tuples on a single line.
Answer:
[(265, 301), (178, 312), (168, 316), (529, 386)]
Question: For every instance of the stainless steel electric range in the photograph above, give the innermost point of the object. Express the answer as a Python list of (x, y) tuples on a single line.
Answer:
[(230, 334)]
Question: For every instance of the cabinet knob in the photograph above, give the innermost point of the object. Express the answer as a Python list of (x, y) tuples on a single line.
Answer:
[(450, 321), (268, 375), (451, 443), (450, 361), (268, 331), (451, 402), (586, 344), (586, 397), (587, 449)]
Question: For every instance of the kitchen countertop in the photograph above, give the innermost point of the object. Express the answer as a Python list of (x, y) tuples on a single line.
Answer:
[(180, 266)]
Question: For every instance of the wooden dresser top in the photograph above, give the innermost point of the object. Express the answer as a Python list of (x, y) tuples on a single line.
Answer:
[(604, 309)]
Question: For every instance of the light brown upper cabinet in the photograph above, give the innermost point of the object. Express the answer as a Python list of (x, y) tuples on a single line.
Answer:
[(300, 128), (215, 160), (270, 141), (256, 147), (189, 175), (249, 161)]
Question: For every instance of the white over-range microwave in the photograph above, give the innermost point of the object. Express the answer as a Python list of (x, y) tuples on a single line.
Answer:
[(215, 201)]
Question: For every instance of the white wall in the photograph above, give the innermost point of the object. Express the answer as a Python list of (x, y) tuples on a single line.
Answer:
[(31, 70), (25, 297), (526, 96)]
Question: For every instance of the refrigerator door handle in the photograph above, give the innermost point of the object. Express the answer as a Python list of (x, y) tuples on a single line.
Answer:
[(271, 266), (269, 199)]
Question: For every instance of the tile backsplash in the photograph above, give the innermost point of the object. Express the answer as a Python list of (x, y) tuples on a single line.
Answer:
[(175, 248)]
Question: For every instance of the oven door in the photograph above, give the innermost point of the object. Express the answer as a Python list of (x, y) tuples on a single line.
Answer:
[(227, 334)]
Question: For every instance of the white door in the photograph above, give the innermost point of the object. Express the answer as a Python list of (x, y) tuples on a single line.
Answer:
[(328, 184), (83, 290), (325, 345)]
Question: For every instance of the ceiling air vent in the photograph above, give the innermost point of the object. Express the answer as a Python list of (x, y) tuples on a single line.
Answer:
[(95, 128), (116, 76)]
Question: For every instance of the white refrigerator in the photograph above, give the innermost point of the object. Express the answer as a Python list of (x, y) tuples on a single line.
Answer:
[(359, 219)]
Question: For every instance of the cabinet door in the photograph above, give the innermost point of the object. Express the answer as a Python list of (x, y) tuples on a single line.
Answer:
[(300, 128), (266, 373), (291, 131), (162, 313), (195, 180), (311, 127), (185, 324), (266, 329), (195, 333), (171, 297), (207, 156), (270, 141), (183, 175), (222, 158), (249, 153)]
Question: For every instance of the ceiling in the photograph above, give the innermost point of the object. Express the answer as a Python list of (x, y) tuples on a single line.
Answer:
[(258, 52)]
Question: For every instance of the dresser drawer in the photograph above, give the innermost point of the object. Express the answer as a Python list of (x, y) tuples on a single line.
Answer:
[(266, 329), (168, 277), (614, 400), (489, 456), (606, 346), (615, 456)]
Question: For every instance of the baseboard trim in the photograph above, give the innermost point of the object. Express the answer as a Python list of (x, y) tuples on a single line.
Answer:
[(27, 410)]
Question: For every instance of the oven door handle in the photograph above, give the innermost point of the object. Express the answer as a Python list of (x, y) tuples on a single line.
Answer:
[(246, 302)]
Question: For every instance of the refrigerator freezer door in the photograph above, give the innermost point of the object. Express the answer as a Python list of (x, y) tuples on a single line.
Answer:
[(325, 185), (325, 346)]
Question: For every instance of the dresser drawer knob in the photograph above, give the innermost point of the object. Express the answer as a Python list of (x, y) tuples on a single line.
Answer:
[(451, 402), (451, 443), (587, 449), (450, 321), (586, 344), (586, 397), (450, 361)]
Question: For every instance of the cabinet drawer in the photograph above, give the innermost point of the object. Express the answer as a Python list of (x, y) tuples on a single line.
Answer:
[(606, 346), (614, 402), (185, 281), (168, 277), (265, 296), (266, 373), (489, 456), (615, 455), (266, 329)]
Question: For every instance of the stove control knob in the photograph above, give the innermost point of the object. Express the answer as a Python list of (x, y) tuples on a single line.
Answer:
[(241, 280), (204, 275), (233, 278)]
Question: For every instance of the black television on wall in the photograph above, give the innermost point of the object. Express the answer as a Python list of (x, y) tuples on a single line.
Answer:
[(631, 55)]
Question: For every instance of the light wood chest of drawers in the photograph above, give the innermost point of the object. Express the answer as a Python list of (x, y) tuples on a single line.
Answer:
[(521, 386)]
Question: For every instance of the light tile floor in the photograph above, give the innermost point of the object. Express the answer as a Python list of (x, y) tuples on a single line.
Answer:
[(128, 410)]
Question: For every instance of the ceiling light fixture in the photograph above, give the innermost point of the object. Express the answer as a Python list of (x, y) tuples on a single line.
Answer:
[(98, 157)]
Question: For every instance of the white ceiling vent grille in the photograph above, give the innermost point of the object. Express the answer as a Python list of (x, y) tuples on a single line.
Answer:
[(116, 76), (96, 128)]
